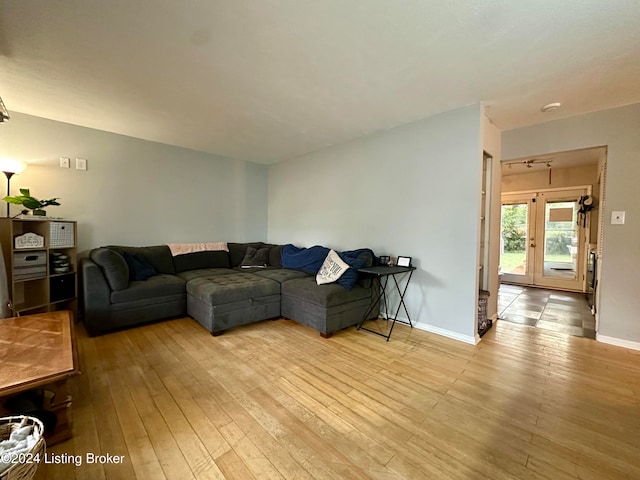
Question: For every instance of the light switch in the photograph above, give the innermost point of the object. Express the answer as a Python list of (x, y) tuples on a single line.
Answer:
[(81, 164), (617, 218), (64, 162)]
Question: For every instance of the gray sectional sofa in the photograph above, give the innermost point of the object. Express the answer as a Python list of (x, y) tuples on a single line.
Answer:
[(126, 286)]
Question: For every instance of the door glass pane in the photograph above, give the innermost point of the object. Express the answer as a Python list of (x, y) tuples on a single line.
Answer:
[(561, 240), (513, 238)]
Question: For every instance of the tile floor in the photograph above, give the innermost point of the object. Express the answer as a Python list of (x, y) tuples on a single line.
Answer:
[(562, 312)]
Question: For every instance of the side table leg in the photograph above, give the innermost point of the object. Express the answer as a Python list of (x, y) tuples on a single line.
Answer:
[(374, 302), (402, 294)]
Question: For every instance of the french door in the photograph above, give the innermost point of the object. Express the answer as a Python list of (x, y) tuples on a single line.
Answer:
[(543, 239)]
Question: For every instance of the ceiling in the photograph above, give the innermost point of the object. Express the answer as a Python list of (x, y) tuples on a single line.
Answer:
[(266, 81)]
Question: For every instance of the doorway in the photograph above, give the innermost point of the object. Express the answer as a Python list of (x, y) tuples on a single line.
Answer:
[(543, 238), (561, 312)]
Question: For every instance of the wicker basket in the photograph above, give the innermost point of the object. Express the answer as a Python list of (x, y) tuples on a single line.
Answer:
[(483, 321), (23, 470)]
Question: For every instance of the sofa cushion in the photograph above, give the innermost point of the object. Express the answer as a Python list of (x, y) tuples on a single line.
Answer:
[(158, 255), (280, 275), (220, 289), (114, 267), (153, 302), (139, 267), (255, 257), (161, 285), (204, 272), (200, 260), (326, 296)]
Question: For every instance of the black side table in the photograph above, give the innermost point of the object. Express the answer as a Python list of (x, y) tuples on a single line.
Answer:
[(381, 276)]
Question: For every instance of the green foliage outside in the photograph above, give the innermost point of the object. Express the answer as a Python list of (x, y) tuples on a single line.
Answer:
[(514, 262), (509, 261), (559, 235), (514, 227), (558, 242)]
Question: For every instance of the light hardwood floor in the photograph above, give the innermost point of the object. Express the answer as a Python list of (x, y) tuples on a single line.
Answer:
[(274, 400)]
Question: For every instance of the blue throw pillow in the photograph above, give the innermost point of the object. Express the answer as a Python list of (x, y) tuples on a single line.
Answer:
[(349, 278), (139, 267)]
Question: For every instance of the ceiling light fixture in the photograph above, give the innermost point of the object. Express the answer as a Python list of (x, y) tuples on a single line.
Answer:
[(550, 106), (530, 163)]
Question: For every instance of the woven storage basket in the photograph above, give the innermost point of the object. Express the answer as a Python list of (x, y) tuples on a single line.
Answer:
[(23, 470)]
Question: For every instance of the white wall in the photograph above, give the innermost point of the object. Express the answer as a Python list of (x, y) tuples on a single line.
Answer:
[(618, 129), (413, 190), (136, 192)]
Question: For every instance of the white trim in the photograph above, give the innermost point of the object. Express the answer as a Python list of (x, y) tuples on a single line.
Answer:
[(545, 190), (448, 333), (618, 342), (441, 331)]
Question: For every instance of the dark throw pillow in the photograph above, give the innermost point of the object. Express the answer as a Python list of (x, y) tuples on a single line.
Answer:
[(275, 256), (349, 278), (139, 267), (255, 257), (113, 266)]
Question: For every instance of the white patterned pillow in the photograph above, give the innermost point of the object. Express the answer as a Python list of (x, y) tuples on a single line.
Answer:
[(332, 269)]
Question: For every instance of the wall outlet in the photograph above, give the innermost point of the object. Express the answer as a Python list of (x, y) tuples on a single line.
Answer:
[(618, 217), (64, 162), (81, 164)]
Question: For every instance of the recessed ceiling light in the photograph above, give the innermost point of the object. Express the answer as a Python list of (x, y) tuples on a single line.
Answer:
[(550, 106)]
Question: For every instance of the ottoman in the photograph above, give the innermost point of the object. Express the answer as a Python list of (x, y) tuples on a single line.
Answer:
[(327, 308), (221, 302)]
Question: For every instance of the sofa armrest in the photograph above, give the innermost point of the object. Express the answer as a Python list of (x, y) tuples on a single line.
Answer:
[(96, 296)]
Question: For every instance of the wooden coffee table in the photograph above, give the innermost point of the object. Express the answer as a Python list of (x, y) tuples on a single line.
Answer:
[(38, 352)]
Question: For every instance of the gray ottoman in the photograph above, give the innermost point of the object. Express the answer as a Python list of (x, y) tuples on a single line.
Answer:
[(221, 302), (327, 308)]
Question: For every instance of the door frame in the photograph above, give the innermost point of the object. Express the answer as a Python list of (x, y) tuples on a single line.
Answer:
[(519, 198), (539, 278), (532, 273)]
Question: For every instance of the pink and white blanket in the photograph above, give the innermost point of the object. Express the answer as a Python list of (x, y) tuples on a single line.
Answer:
[(182, 248)]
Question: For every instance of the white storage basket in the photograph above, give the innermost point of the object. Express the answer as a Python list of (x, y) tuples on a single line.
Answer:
[(61, 235), (24, 470)]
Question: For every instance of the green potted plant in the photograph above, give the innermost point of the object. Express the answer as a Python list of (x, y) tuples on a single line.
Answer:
[(33, 204)]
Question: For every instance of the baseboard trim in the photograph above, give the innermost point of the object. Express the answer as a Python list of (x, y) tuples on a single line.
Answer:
[(618, 342), (441, 331), (473, 340)]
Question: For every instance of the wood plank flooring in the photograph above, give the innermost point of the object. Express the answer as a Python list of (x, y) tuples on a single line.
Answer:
[(274, 400)]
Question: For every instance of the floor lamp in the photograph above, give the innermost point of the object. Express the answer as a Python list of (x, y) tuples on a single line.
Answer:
[(10, 167)]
